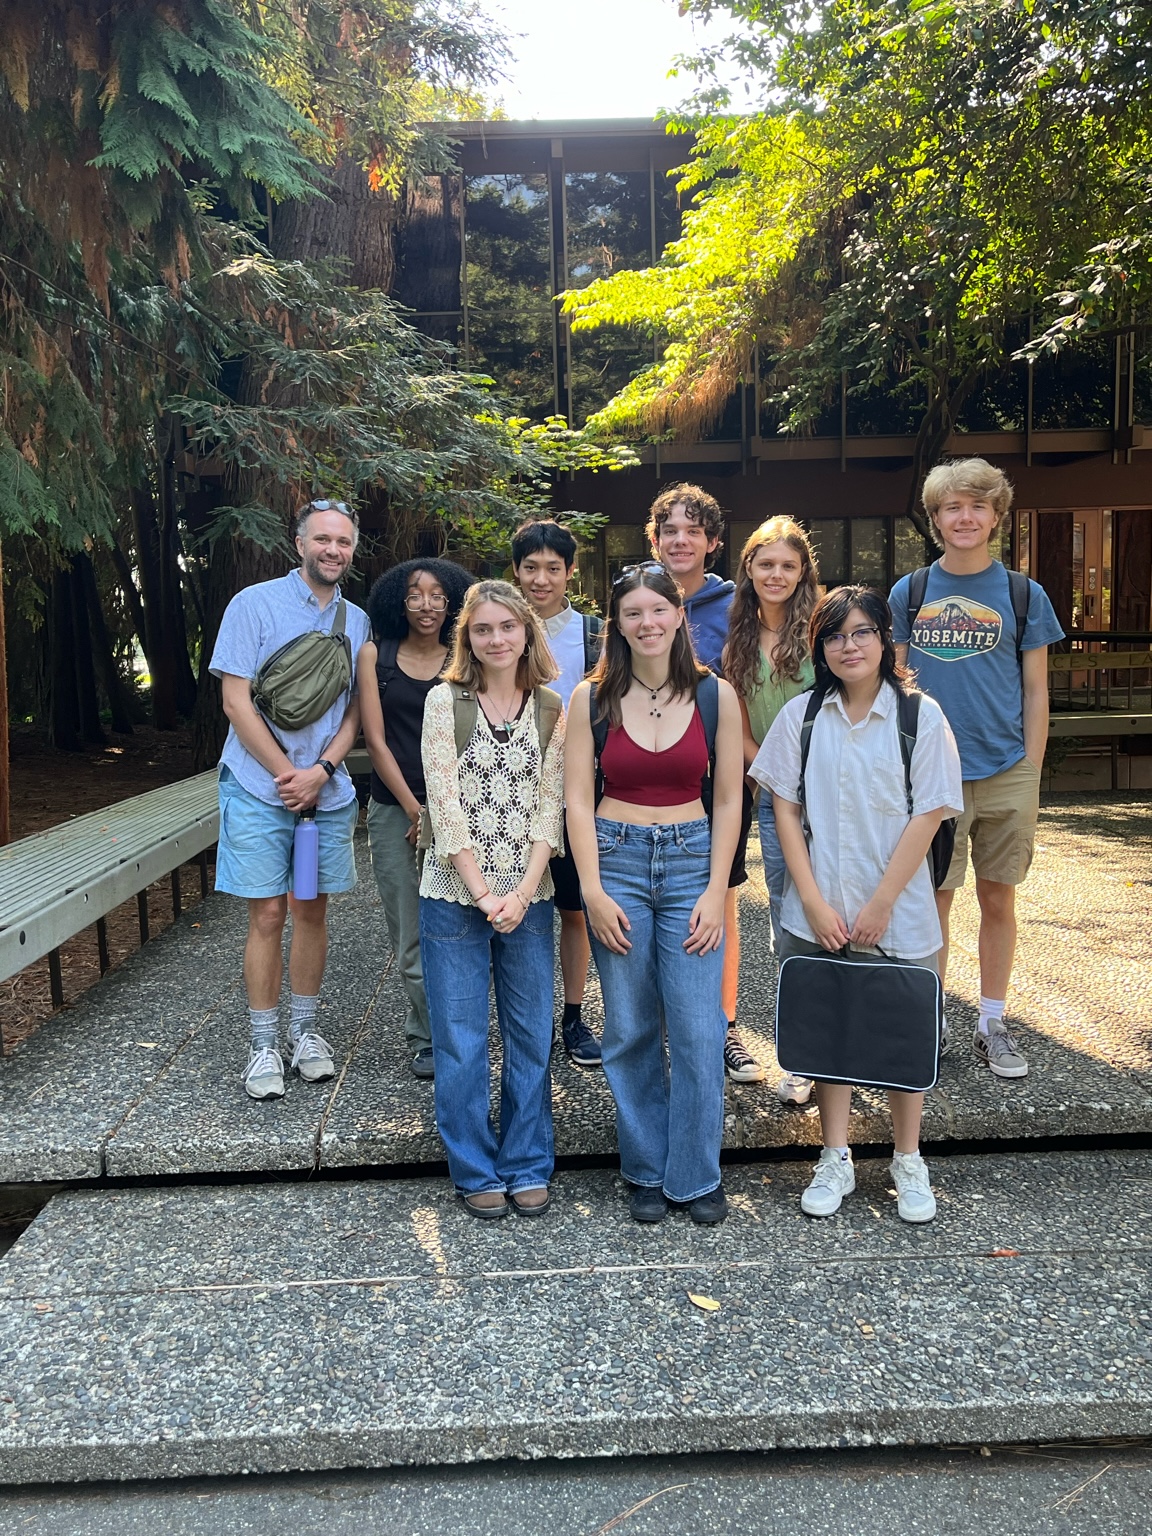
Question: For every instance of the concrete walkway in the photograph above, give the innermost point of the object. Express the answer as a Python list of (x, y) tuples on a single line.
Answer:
[(142, 1076)]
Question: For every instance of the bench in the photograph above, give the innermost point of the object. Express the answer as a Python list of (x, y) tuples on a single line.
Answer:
[(58, 882)]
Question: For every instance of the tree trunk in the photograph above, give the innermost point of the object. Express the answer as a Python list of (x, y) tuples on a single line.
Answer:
[(114, 690), (159, 647), (351, 224), (171, 586), (5, 769), (63, 702), (87, 697)]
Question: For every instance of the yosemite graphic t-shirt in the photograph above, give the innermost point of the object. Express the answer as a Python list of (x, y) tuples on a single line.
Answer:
[(963, 648)]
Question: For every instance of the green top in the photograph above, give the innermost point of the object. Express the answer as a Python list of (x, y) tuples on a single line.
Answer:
[(771, 694)]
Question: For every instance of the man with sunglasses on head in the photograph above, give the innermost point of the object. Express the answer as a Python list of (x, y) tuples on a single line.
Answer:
[(269, 776)]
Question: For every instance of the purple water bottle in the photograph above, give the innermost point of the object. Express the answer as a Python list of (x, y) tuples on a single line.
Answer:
[(306, 857)]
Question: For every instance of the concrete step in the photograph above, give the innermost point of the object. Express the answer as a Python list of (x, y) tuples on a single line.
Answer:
[(141, 1077), (171, 1332)]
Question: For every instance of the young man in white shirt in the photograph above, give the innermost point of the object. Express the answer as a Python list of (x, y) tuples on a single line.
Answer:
[(543, 558)]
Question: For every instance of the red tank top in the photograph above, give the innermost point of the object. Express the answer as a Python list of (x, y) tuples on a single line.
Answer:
[(637, 776)]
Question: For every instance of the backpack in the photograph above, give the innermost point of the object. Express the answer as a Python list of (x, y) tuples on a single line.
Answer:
[(593, 639), (465, 712), (708, 703), (907, 722), (301, 680), (1019, 590)]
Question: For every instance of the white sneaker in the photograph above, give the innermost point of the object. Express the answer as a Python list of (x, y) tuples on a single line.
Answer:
[(312, 1058), (833, 1178), (914, 1198), (945, 1035), (794, 1090), (263, 1077)]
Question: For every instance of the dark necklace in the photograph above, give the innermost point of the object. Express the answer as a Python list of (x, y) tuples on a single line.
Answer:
[(653, 694)]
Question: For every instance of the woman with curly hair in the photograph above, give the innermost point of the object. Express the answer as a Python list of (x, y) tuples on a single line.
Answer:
[(766, 660), (493, 749), (412, 609)]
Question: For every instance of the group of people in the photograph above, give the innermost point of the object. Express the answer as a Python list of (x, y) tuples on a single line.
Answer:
[(527, 758)]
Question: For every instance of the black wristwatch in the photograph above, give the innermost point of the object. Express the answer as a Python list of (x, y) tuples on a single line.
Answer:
[(329, 768)]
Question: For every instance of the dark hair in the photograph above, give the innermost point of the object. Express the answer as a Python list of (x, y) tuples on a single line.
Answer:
[(828, 618), (386, 611), (541, 533), (699, 506), (612, 674), (742, 653)]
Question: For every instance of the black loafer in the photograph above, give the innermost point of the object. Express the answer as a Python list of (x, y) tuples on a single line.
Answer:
[(709, 1210), (647, 1204)]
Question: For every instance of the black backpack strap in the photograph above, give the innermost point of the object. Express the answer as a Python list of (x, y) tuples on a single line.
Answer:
[(599, 741), (908, 722), (1020, 591), (917, 587), (815, 701), (592, 629), (386, 663)]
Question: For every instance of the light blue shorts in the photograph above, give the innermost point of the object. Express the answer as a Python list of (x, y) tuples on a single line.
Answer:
[(254, 854)]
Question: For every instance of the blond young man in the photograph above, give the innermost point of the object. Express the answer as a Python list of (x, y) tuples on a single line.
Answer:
[(992, 683)]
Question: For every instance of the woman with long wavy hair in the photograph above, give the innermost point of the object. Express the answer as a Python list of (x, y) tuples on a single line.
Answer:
[(650, 735), (767, 662)]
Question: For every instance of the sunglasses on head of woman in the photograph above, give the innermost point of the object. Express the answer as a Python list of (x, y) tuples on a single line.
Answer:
[(640, 569)]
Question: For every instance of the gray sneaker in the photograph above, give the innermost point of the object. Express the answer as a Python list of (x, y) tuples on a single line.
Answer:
[(263, 1077), (312, 1058), (999, 1050)]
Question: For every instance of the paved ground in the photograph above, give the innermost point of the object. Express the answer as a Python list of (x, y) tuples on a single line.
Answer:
[(275, 1327), (1017, 1491), (142, 1077)]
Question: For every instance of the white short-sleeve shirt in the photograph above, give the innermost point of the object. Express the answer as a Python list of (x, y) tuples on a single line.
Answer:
[(858, 808)]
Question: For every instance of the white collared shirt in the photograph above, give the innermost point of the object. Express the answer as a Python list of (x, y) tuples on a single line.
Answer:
[(565, 631), (858, 808)]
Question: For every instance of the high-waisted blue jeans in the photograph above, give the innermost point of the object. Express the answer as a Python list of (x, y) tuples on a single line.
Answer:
[(775, 869), (458, 945), (669, 1112)]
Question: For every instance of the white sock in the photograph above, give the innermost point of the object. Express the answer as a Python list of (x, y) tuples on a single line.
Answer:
[(991, 1012), (842, 1152), (906, 1156), (303, 1020)]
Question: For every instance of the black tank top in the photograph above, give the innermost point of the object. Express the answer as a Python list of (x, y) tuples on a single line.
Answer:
[(402, 699)]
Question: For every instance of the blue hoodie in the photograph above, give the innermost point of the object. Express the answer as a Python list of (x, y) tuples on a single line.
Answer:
[(707, 612)]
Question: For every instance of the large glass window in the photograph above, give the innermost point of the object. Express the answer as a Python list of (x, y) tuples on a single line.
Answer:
[(609, 223), (868, 541), (910, 549), (829, 537), (1075, 389), (509, 283)]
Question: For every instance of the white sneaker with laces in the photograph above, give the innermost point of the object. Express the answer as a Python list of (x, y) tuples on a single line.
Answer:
[(263, 1077), (794, 1090), (833, 1178), (914, 1198), (312, 1058)]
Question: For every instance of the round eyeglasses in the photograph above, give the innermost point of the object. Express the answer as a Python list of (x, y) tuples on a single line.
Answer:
[(859, 638)]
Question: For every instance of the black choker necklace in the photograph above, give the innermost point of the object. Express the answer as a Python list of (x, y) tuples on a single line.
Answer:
[(653, 694)]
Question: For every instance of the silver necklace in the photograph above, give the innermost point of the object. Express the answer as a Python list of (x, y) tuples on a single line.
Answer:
[(505, 724)]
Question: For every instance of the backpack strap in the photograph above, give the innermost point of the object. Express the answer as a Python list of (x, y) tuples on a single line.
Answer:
[(548, 707), (387, 665), (464, 714), (599, 741), (593, 627), (908, 722), (815, 703), (917, 587), (1020, 590)]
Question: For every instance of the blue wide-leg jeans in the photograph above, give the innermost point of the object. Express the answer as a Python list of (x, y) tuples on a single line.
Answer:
[(458, 945), (775, 869), (669, 1113)]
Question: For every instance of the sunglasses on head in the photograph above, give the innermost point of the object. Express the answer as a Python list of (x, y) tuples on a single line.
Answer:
[(639, 569), (330, 506)]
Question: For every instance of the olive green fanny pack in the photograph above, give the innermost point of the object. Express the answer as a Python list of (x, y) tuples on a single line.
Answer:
[(300, 682)]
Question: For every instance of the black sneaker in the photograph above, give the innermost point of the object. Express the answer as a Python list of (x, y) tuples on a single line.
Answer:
[(581, 1044), (739, 1063), (422, 1063), (709, 1210), (647, 1204)]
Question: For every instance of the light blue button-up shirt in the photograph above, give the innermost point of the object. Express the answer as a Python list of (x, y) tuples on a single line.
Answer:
[(257, 622)]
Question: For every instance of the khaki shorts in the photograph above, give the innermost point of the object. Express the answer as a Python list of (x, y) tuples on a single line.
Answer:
[(1000, 818)]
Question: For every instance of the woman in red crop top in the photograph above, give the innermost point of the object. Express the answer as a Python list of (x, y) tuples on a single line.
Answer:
[(654, 874)]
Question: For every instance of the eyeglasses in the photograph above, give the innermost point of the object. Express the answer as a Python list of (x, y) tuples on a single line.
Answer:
[(638, 570), (330, 506), (417, 600), (859, 638)]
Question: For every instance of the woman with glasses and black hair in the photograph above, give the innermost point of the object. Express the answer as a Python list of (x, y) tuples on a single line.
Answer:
[(412, 609), (650, 735), (859, 884)]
